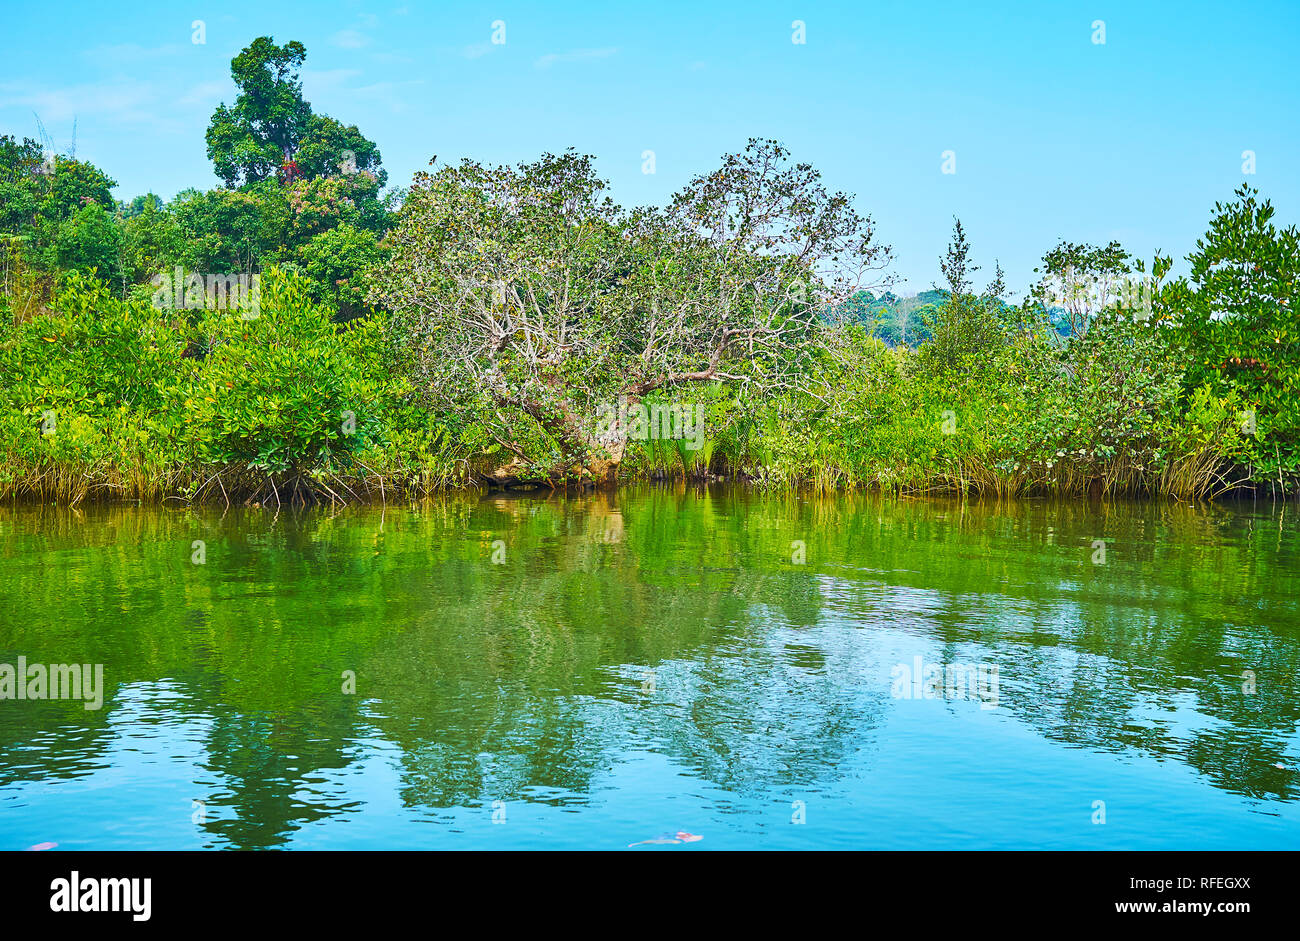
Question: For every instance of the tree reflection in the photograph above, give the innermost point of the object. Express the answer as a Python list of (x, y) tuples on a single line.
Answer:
[(527, 680)]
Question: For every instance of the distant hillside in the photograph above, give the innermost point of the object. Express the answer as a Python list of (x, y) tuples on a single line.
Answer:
[(896, 320), (901, 321)]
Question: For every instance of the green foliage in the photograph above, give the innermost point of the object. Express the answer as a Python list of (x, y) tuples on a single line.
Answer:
[(60, 210), (91, 387), (21, 184), (231, 230), (319, 204), (58, 214), (1111, 394), (89, 240), (330, 148), (1242, 330), (896, 320), (271, 126), (284, 392), (152, 239), (1105, 412), (526, 294), (103, 395), (247, 143), (512, 302), (338, 261), (965, 329), (74, 185)]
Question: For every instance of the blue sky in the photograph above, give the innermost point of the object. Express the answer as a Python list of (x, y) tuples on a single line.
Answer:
[(1055, 136)]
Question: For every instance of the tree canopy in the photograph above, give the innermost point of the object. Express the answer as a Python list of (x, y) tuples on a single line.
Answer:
[(527, 289), (271, 126)]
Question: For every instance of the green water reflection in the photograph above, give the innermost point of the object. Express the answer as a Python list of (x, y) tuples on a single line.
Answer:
[(648, 649)]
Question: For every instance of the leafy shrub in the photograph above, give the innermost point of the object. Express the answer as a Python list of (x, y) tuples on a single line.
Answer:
[(285, 394), (1242, 329)]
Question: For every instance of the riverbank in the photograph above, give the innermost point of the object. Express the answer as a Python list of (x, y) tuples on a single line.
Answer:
[(114, 399), (89, 485)]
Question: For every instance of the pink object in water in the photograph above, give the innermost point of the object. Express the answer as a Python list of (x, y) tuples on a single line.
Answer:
[(42, 846), (681, 836)]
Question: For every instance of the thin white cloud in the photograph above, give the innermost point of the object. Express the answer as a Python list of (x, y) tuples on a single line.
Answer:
[(316, 81), (384, 88), (386, 94), (127, 53), (138, 106), (350, 39), (577, 55), (206, 93), (125, 101), (337, 84)]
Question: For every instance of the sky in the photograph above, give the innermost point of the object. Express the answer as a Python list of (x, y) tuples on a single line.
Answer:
[(1053, 135)]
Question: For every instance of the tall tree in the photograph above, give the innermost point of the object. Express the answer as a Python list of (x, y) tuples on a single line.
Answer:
[(271, 126), (1083, 281), (252, 140), (527, 289), (1242, 327), (966, 326)]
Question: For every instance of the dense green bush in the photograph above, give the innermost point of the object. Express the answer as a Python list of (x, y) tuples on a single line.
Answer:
[(1104, 413), (107, 392), (283, 392), (124, 397), (1242, 330), (90, 396)]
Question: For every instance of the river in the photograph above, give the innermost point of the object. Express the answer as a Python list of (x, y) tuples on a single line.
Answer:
[(593, 671)]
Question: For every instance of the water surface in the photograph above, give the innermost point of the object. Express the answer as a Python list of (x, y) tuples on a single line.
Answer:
[(593, 671)]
